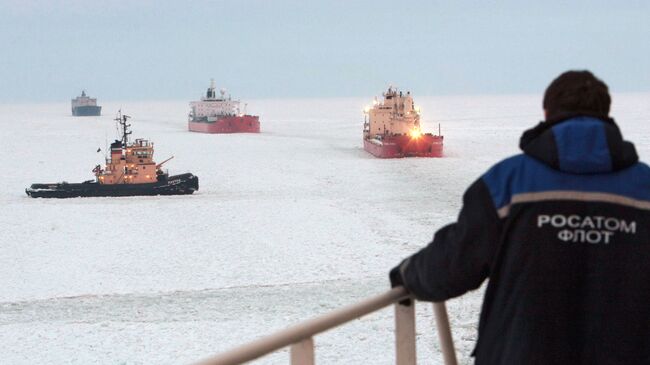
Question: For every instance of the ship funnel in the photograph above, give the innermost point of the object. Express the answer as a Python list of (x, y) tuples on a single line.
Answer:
[(211, 94)]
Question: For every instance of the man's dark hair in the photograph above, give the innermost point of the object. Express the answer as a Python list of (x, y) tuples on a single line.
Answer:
[(576, 92)]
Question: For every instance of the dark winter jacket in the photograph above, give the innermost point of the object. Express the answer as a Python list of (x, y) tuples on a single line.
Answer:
[(563, 233)]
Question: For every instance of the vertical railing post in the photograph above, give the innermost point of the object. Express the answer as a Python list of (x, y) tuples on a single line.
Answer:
[(444, 333), (405, 334), (302, 353)]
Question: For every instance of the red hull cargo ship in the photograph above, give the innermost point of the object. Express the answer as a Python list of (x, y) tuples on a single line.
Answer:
[(220, 114), (391, 129)]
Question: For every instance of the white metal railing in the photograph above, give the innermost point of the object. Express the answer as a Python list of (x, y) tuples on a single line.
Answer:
[(300, 337)]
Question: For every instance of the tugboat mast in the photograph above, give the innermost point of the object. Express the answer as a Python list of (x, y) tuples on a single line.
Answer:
[(122, 118)]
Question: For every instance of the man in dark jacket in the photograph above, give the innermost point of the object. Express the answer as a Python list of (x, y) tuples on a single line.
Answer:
[(562, 231)]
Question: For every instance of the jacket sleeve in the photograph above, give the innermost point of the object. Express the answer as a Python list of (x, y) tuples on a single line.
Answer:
[(460, 256)]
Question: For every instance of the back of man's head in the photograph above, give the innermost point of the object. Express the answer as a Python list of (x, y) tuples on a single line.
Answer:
[(576, 92)]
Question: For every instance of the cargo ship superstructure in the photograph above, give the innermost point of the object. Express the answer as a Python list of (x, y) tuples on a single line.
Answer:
[(84, 106), (130, 170), (220, 114), (391, 129)]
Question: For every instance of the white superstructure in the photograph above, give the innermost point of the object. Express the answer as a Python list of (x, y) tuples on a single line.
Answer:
[(83, 100), (395, 115), (211, 107)]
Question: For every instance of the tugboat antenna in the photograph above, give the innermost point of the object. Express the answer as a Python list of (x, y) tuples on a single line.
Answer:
[(122, 118)]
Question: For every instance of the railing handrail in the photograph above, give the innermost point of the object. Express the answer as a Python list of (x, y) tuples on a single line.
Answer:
[(306, 329), (303, 332)]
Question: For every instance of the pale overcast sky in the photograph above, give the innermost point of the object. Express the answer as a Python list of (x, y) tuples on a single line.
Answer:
[(144, 50)]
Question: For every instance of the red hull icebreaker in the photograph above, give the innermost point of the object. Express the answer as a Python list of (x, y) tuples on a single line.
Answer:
[(391, 128)]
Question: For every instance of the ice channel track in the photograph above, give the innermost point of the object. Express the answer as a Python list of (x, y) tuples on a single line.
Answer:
[(132, 321)]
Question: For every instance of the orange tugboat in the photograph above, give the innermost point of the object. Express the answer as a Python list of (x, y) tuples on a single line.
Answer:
[(391, 129), (130, 170), (220, 114)]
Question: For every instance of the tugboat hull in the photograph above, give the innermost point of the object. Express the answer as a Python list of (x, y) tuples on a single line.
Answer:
[(173, 185), (425, 145), (232, 124), (86, 111)]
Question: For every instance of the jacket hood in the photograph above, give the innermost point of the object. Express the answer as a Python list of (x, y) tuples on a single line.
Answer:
[(579, 144)]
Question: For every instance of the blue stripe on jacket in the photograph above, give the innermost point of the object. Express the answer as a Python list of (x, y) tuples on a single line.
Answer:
[(524, 174)]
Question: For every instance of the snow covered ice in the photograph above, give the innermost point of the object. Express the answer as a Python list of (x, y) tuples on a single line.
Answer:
[(287, 224)]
